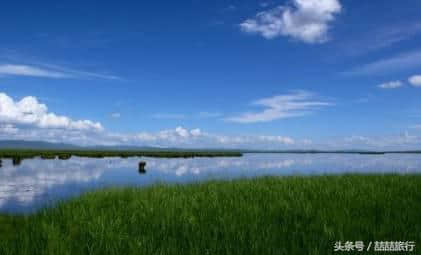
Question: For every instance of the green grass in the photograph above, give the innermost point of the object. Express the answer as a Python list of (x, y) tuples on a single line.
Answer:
[(292, 215)]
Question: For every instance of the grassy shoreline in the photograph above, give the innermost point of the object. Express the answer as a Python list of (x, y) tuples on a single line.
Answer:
[(270, 215)]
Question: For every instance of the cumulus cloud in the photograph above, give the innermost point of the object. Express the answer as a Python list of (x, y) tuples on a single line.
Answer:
[(182, 137), (294, 104), (28, 112), (279, 139), (196, 138), (391, 85), (195, 132), (177, 135), (415, 80), (28, 119), (305, 20)]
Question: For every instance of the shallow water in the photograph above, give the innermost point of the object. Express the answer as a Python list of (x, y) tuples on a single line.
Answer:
[(37, 183)]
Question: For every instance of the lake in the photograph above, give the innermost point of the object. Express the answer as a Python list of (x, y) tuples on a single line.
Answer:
[(37, 183)]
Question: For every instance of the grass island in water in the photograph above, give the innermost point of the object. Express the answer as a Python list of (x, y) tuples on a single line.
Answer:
[(19, 154)]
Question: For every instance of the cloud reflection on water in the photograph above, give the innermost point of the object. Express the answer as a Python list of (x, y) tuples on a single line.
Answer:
[(37, 181)]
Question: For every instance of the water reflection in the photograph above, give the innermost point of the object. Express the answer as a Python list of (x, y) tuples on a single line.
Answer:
[(35, 182)]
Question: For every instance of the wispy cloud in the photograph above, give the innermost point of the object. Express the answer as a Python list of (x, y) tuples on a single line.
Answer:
[(209, 115), (115, 115), (409, 60), (417, 126), (364, 99), (400, 141), (230, 8), (265, 4), (50, 71), (295, 104), (169, 116), (391, 85), (179, 116), (380, 38), (304, 20), (78, 74), (24, 70)]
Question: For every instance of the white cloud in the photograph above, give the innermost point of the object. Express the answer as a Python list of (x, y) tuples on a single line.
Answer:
[(281, 106), (169, 116), (23, 70), (78, 74), (307, 142), (279, 139), (380, 38), (195, 132), (178, 116), (182, 137), (209, 114), (403, 141), (231, 7), (305, 20), (51, 71), (8, 129), (391, 85), (115, 115), (28, 112), (404, 61), (356, 138), (264, 4), (28, 119), (196, 138), (182, 132), (177, 135), (415, 80)]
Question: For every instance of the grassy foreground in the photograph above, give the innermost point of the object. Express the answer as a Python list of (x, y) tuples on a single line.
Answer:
[(292, 215)]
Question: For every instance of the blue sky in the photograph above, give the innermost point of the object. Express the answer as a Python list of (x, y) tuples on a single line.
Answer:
[(243, 74)]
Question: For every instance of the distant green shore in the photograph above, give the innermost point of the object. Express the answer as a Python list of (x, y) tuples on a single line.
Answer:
[(19, 154), (270, 215)]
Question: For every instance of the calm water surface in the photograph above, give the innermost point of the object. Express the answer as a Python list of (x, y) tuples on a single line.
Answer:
[(37, 183)]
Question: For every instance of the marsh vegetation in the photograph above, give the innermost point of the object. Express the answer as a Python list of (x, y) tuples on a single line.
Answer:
[(270, 215), (18, 155)]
